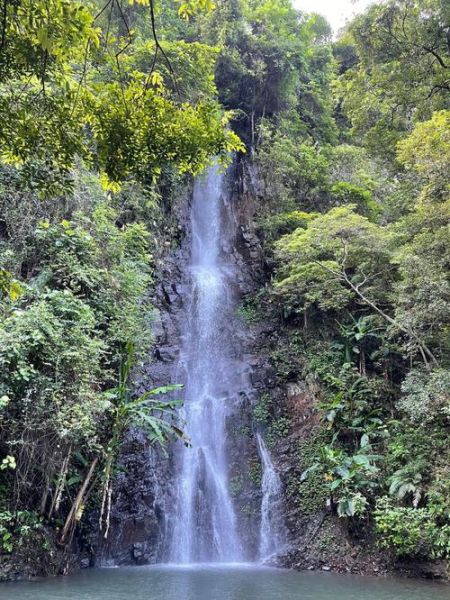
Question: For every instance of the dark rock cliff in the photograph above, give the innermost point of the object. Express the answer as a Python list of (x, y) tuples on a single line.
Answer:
[(144, 485)]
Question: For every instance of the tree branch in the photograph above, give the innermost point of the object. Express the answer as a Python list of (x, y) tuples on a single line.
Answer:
[(437, 57), (343, 276), (160, 48), (422, 346), (4, 24)]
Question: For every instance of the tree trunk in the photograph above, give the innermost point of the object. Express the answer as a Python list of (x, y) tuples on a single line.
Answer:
[(60, 485), (67, 532)]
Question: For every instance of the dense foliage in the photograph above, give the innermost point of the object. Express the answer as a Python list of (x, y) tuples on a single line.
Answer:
[(77, 81), (354, 162), (104, 106), (98, 117)]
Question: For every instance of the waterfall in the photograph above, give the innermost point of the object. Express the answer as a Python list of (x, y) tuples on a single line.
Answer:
[(272, 533), (202, 520)]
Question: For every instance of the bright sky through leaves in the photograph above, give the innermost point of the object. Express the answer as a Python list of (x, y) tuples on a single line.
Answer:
[(337, 12)]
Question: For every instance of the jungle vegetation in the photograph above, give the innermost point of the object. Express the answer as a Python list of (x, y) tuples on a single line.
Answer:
[(107, 109)]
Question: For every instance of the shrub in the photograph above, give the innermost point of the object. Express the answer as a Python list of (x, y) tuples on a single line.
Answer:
[(426, 395), (410, 532)]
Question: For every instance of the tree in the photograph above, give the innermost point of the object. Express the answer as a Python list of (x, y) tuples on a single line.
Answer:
[(70, 89), (340, 257), (427, 151), (273, 59), (423, 289), (403, 70)]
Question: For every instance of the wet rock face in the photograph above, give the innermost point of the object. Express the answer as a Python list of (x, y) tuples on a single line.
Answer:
[(136, 521), (138, 516), (144, 485)]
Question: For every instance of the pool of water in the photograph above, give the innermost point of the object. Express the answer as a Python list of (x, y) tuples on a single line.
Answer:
[(209, 582)]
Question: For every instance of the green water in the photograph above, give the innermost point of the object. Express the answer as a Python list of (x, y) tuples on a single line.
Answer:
[(219, 583)]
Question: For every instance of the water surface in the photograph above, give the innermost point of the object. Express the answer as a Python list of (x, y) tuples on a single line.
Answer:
[(209, 582)]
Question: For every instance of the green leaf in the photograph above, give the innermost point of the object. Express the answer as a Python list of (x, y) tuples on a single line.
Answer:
[(362, 460), (342, 472)]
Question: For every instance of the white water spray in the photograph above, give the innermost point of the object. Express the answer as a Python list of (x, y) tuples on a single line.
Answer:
[(272, 532), (203, 521)]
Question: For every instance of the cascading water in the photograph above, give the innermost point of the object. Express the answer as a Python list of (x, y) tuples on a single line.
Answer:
[(272, 533), (203, 522)]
